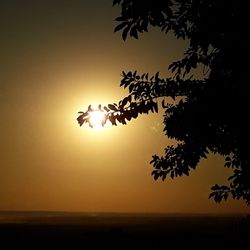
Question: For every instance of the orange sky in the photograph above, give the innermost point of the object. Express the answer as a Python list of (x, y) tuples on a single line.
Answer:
[(56, 58)]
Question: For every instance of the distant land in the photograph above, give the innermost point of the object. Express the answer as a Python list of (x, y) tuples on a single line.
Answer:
[(79, 230), (51, 217)]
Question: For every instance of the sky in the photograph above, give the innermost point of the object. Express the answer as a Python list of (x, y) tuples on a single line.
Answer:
[(57, 57)]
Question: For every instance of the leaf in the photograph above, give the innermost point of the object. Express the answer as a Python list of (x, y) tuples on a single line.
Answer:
[(129, 74), (134, 113), (124, 101), (106, 109), (120, 26), (129, 98), (163, 104), (89, 108), (116, 2), (123, 120), (156, 176), (144, 25), (112, 107), (127, 83), (155, 105), (202, 154), (120, 18), (128, 117), (125, 32), (212, 194), (215, 187), (133, 32), (227, 164), (233, 194), (164, 175), (225, 196), (172, 174), (224, 187), (112, 119), (80, 120), (231, 177), (154, 172), (157, 76)]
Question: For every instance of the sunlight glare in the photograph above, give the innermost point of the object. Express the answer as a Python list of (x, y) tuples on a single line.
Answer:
[(96, 118)]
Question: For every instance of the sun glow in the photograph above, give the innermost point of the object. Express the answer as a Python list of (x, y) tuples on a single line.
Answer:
[(96, 118)]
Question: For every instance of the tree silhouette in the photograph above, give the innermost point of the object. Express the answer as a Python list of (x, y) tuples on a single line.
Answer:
[(208, 114)]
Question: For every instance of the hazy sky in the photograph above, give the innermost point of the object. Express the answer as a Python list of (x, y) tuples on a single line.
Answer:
[(56, 58)]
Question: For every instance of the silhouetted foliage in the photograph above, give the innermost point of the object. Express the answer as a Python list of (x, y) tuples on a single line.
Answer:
[(209, 114)]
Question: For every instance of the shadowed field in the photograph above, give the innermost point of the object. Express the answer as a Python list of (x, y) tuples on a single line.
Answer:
[(55, 230)]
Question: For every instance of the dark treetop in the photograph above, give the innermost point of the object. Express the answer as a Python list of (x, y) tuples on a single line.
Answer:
[(208, 114)]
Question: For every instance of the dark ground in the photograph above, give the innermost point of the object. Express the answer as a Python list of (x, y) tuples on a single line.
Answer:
[(46, 230)]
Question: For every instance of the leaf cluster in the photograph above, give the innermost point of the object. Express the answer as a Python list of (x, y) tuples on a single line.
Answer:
[(208, 115)]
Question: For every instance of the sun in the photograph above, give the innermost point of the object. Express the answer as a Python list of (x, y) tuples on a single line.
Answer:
[(96, 118)]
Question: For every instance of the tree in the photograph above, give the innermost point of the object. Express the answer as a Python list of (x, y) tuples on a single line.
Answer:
[(209, 114)]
